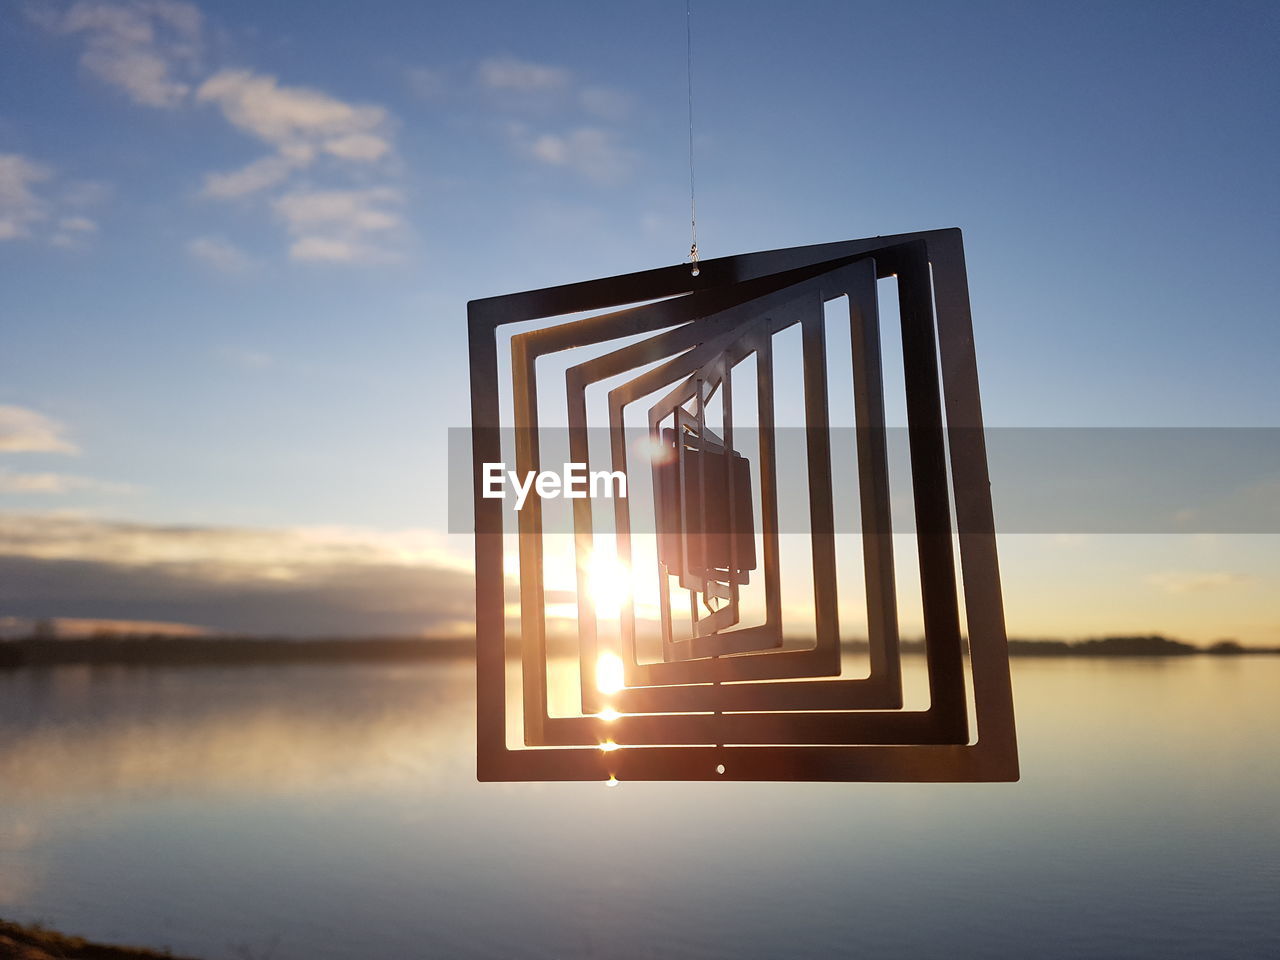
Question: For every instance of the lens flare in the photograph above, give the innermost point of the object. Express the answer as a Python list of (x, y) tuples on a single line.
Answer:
[(654, 450)]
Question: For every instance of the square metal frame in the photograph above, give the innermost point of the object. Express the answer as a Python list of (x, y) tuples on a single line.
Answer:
[(904, 756)]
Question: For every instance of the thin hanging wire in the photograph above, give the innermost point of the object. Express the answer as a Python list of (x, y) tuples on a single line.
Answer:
[(693, 203)]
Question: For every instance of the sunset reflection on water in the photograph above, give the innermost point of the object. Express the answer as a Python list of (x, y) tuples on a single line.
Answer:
[(335, 809)]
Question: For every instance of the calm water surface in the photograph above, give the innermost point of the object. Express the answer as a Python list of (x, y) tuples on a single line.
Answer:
[(321, 812)]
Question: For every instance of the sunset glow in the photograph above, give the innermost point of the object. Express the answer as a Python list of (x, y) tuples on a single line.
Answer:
[(609, 677), (610, 585)]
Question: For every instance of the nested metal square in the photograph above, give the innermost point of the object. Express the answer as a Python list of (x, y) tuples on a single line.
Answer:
[(944, 721), (909, 745), (883, 687)]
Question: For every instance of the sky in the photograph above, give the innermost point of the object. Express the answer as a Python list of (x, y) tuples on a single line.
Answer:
[(237, 242)]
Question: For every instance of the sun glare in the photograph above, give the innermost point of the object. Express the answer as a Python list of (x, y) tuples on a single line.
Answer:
[(654, 450), (610, 585), (609, 673)]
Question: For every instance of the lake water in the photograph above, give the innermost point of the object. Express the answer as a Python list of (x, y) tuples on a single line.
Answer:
[(331, 812)]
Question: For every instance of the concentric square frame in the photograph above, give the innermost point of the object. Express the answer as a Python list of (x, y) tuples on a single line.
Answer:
[(828, 737)]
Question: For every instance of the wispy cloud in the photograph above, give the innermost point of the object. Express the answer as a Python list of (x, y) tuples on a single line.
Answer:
[(77, 225), (279, 553), (299, 580), (34, 205), (1200, 581), (594, 152), (152, 49), (510, 73), (73, 231), (20, 206), (261, 174), (535, 92), (13, 482), (220, 254), (147, 48), (303, 126), (300, 123), (27, 431), (340, 225)]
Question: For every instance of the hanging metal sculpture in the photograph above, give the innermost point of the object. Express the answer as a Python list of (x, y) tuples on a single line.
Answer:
[(721, 697)]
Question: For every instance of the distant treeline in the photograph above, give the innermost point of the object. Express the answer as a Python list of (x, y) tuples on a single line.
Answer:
[(154, 649), (1152, 646), (1139, 646), (224, 651)]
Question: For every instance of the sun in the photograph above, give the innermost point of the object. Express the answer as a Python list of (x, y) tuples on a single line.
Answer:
[(609, 676), (610, 584)]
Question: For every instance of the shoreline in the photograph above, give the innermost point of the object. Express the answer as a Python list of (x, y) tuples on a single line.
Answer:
[(30, 653), (22, 941)]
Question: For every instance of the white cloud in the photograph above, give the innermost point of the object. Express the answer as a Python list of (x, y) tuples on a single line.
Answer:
[(1197, 581), (593, 152), (508, 73), (328, 250), (340, 226), (237, 551), (358, 146), (77, 225), (19, 205), (73, 231), (220, 254), (22, 208), (145, 47), (304, 125), (151, 49), (26, 431), (55, 483), (354, 209), (550, 149), (259, 175), (298, 122)]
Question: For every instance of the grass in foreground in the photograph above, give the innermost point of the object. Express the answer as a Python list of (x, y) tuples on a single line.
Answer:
[(18, 942)]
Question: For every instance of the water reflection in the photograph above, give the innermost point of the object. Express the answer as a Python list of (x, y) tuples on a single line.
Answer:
[(86, 731), (333, 812)]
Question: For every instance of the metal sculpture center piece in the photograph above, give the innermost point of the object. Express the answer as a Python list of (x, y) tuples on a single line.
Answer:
[(727, 686)]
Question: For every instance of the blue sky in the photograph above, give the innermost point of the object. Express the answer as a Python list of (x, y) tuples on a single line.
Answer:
[(238, 239)]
